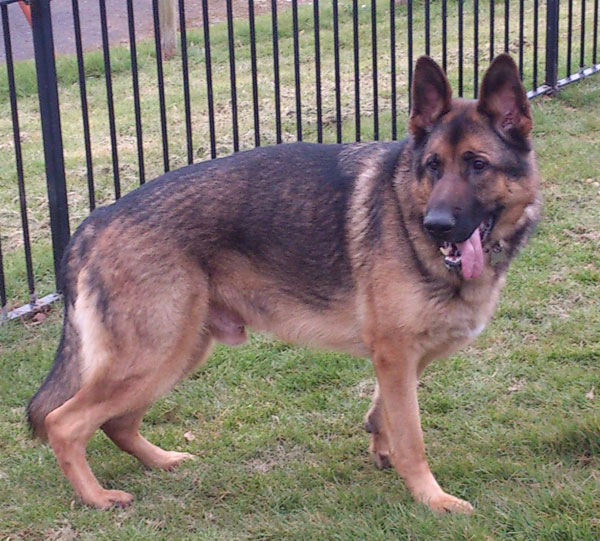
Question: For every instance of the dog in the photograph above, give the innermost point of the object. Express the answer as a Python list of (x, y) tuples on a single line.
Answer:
[(392, 250)]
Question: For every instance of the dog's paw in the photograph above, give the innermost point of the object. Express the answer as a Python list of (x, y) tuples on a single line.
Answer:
[(106, 499), (446, 503), (380, 452), (381, 460), (171, 459)]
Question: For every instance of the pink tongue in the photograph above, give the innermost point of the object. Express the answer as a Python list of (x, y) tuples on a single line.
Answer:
[(471, 256)]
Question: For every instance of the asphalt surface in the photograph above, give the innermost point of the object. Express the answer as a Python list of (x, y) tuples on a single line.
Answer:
[(116, 10)]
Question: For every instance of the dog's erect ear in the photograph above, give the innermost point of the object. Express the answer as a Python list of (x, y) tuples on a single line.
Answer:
[(431, 96), (503, 99)]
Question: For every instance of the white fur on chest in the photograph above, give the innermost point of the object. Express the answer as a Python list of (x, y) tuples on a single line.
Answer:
[(476, 331)]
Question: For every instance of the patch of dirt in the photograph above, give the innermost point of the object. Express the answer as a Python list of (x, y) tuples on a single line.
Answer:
[(274, 457), (365, 388)]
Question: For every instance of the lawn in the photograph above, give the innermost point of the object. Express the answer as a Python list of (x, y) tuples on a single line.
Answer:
[(512, 423)]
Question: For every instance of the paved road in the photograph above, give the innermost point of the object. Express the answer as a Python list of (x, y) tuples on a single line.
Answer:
[(64, 36)]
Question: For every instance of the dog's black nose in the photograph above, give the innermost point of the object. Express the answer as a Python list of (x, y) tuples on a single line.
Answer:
[(439, 222)]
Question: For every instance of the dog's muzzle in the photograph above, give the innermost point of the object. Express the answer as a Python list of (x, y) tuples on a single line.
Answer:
[(466, 255)]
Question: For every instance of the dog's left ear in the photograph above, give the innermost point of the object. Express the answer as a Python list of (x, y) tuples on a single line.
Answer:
[(431, 96), (503, 99)]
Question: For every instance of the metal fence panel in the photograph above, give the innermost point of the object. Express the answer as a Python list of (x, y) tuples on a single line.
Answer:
[(246, 74)]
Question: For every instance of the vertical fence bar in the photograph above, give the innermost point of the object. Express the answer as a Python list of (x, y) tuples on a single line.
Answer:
[(393, 67), (297, 70), (595, 52), (232, 77), (427, 27), (374, 69), (209, 84), (18, 154), (318, 71), (3, 299), (492, 28), (161, 86), (521, 35), (136, 92), (535, 42), (254, 68), (336, 69), (551, 78), (110, 100), (356, 69), (570, 36), (475, 47), (84, 106), (276, 81), (506, 24), (460, 47), (186, 83), (43, 44), (444, 34), (582, 43), (409, 31)]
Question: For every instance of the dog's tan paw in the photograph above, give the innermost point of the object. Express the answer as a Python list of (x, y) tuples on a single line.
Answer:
[(445, 503), (107, 499), (171, 459)]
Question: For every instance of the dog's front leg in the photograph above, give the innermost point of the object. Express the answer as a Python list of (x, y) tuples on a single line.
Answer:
[(396, 367)]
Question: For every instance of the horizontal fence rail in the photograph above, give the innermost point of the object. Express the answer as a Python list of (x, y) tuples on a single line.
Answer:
[(139, 88)]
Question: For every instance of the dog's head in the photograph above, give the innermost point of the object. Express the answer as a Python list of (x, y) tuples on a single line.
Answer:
[(475, 169)]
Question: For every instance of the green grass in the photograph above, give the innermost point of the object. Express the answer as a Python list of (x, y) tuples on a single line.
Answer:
[(278, 430)]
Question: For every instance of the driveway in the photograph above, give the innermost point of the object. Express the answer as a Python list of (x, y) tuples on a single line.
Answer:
[(116, 10)]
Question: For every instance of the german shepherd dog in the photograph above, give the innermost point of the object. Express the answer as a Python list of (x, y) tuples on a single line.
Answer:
[(396, 250)]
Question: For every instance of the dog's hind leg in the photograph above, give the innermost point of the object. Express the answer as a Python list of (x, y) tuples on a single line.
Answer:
[(124, 430), (126, 365), (117, 405), (375, 425)]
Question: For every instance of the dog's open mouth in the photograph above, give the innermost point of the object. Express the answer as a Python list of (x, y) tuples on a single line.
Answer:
[(468, 255)]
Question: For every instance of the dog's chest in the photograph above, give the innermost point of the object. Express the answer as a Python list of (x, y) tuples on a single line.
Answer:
[(476, 331), (459, 325), (455, 323)]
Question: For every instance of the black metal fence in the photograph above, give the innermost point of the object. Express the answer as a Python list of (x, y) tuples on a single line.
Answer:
[(246, 74)]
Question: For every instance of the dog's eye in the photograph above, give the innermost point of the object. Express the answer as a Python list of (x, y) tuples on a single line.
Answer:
[(433, 163), (479, 165)]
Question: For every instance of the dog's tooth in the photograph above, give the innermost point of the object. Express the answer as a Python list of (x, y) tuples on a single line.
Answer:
[(446, 249)]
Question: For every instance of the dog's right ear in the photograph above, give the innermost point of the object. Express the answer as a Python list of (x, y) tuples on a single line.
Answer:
[(503, 99), (431, 96)]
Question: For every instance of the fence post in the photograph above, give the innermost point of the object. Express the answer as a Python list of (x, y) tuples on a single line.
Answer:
[(551, 81), (43, 44)]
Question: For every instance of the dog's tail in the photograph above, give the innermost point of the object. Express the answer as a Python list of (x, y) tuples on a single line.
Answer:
[(60, 384), (64, 379)]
